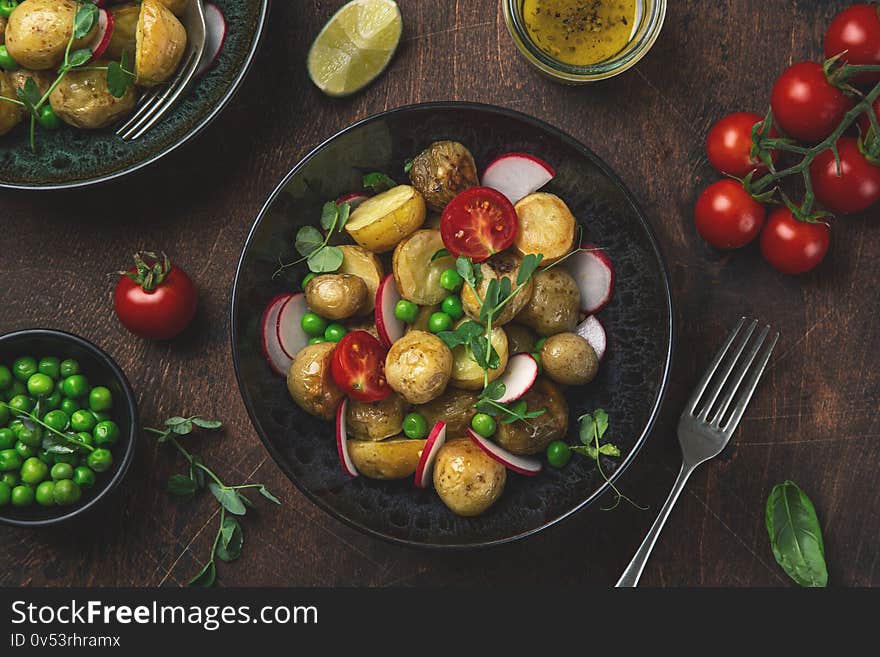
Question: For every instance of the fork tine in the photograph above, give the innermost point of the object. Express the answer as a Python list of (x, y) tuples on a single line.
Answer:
[(704, 382), (725, 374), (742, 370), (752, 383), (144, 104), (166, 99)]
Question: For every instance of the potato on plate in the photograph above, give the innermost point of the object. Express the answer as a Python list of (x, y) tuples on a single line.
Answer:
[(555, 303), (395, 458), (546, 226), (177, 7), (381, 222), (358, 261), (455, 407), (310, 382), (442, 171), (38, 32), (10, 115), (375, 420), (124, 35), (467, 374), (533, 437), (497, 267), (83, 100), (416, 275), (569, 359), (418, 367), (520, 339), (466, 478), (337, 296), (160, 44)]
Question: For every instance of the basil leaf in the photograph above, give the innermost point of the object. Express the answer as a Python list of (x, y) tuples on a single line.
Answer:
[(206, 577), (442, 253), (329, 216), (84, 20), (795, 535), (228, 498), (379, 182), (527, 268), (269, 496), (231, 540), (326, 260), (601, 419), (206, 424), (308, 240), (181, 486)]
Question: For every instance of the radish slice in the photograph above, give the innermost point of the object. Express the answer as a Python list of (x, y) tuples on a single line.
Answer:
[(215, 36), (279, 361), (516, 175), (288, 327), (389, 328), (592, 331), (342, 440), (520, 464), (594, 274), (522, 370), (354, 199), (103, 35), (426, 461)]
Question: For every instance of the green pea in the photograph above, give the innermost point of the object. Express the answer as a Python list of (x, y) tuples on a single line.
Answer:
[(406, 311), (307, 278), (100, 399), (21, 403), (484, 424), (415, 426), (11, 479), (69, 406), (45, 493), (58, 420), (32, 436), (50, 366), (540, 343), (25, 451), (15, 426), (75, 386), (67, 492), (82, 420), (24, 368), (10, 460), (451, 280), (452, 307), (5, 493), (106, 434), (17, 388), (439, 322), (4, 415), (68, 368), (100, 460), (7, 62), (101, 416), (5, 377), (40, 385), (334, 333), (53, 401), (87, 439), (7, 439), (61, 471), (84, 477), (558, 454), (46, 457), (48, 119), (7, 7), (314, 325), (317, 340), (22, 496), (33, 471)]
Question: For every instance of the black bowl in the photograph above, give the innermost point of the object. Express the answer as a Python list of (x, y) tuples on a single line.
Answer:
[(100, 370), (632, 378)]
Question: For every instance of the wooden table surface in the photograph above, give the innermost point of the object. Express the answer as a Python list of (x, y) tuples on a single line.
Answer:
[(814, 420)]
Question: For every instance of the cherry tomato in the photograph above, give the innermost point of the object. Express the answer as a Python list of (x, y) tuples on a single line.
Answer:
[(792, 246), (729, 145), (856, 30), (727, 216), (805, 105), (155, 300), (477, 223), (855, 187), (358, 367)]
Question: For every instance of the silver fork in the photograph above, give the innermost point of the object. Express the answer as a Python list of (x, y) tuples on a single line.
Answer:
[(705, 426), (155, 103)]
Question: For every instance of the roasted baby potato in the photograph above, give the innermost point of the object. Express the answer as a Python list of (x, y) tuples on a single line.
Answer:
[(417, 277), (337, 296), (455, 407), (83, 100), (124, 35), (554, 305), (418, 367), (365, 265), (520, 340), (160, 42), (386, 459), (569, 359), (497, 267), (421, 323), (43, 79), (380, 223), (177, 7), (467, 374), (521, 438), (38, 32), (375, 420), (10, 114), (310, 383), (546, 226), (466, 479), (442, 171)]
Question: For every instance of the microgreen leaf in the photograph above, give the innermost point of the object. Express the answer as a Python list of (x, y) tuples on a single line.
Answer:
[(408, 165), (490, 300), (587, 429), (442, 253), (231, 540), (344, 214), (183, 429), (609, 449), (329, 216), (119, 77), (181, 486), (527, 268), (79, 57), (308, 240), (56, 445), (494, 390), (325, 260), (206, 577), (601, 419), (228, 498), (174, 421), (206, 424), (29, 93), (465, 269), (269, 496), (84, 20), (378, 182)]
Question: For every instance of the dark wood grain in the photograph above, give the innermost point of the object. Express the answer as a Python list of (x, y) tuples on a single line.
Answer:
[(814, 420)]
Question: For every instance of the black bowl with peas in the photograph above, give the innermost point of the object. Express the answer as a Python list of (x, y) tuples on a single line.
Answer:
[(68, 421)]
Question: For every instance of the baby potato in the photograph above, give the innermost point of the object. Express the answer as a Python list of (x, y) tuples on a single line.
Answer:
[(310, 382), (358, 261), (546, 226), (417, 277), (466, 478), (10, 114), (38, 32), (418, 367), (337, 296), (375, 420), (467, 374), (43, 79), (497, 267), (386, 459), (442, 171), (569, 359), (380, 223), (520, 340), (160, 43), (177, 7), (454, 407), (83, 100), (554, 305), (124, 35), (532, 438)]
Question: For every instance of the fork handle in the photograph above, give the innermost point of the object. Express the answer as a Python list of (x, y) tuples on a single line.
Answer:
[(633, 572)]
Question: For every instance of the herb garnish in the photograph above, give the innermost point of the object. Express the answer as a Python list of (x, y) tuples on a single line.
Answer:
[(379, 182), (54, 441), (230, 537), (510, 412), (795, 535), (314, 247)]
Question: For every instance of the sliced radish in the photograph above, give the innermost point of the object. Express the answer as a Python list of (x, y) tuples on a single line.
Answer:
[(594, 274), (592, 331), (522, 370), (291, 337), (342, 440), (354, 199), (215, 36), (426, 461), (520, 464), (389, 328), (103, 34), (516, 175), (279, 361)]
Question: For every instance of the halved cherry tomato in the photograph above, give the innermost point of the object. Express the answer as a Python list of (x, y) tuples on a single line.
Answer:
[(805, 105), (792, 246), (852, 188), (856, 31), (358, 367), (729, 145), (477, 223), (727, 216)]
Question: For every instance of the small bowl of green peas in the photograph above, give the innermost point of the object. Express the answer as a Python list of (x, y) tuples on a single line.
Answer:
[(68, 422)]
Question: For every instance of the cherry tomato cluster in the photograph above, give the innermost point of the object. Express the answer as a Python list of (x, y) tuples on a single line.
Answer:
[(812, 108)]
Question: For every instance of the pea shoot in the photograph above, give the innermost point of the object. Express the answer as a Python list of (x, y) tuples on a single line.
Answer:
[(314, 247)]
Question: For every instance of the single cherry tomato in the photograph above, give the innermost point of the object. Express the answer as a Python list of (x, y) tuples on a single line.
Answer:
[(805, 105), (478, 223), (856, 30), (155, 300), (358, 367), (727, 216), (792, 246), (852, 188), (729, 145)]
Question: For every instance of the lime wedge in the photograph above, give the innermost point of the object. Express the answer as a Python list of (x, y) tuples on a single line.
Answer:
[(355, 46)]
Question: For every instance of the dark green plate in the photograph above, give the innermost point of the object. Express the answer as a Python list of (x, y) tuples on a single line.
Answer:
[(75, 158)]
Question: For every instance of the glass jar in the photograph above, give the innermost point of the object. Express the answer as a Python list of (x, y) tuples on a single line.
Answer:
[(649, 21)]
